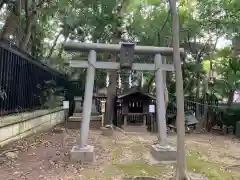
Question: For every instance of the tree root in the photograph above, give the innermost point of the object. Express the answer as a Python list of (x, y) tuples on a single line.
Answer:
[(9, 150), (114, 131), (14, 150), (143, 178), (232, 166), (184, 177)]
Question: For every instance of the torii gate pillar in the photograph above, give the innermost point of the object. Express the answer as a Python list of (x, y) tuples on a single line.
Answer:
[(82, 151), (161, 151)]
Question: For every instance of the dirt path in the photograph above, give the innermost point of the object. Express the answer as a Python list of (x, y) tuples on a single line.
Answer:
[(217, 148), (46, 157)]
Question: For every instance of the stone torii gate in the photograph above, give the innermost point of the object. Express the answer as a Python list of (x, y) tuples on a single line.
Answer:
[(84, 152)]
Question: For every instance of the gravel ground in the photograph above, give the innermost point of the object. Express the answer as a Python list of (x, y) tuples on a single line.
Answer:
[(46, 156)]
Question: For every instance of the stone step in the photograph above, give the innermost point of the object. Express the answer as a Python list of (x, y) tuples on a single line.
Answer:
[(80, 114), (79, 118), (77, 114), (95, 124), (130, 128)]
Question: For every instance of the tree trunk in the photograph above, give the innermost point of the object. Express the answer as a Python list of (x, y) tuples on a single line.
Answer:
[(26, 37), (204, 120), (30, 18), (150, 83), (2, 2), (230, 97), (197, 97), (181, 155), (54, 45), (12, 21), (111, 90), (62, 47), (111, 94)]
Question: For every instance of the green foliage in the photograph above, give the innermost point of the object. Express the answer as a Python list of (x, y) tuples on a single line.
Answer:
[(227, 67), (231, 115), (51, 95), (221, 15), (143, 22)]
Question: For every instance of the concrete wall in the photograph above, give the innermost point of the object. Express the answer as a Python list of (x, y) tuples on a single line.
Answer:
[(15, 127)]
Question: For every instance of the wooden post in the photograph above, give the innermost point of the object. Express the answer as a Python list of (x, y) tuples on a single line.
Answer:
[(125, 120), (144, 120), (103, 110)]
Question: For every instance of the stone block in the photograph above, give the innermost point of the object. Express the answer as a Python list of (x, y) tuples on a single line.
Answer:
[(163, 153), (83, 155)]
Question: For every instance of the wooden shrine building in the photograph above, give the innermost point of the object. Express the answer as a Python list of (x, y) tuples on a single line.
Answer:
[(133, 106)]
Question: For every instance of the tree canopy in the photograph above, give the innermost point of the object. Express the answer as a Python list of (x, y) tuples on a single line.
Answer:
[(42, 26)]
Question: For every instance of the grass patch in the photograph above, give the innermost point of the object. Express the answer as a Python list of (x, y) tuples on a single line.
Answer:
[(89, 174), (116, 154), (106, 173), (139, 148), (137, 166), (140, 169), (197, 163)]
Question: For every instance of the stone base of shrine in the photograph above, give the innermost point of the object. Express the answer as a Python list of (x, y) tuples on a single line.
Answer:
[(82, 155), (163, 153), (74, 122)]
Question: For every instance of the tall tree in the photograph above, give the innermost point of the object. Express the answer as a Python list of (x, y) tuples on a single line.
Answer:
[(13, 18), (181, 173), (117, 35)]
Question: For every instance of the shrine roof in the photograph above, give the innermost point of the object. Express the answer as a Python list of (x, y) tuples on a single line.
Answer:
[(103, 92), (135, 90)]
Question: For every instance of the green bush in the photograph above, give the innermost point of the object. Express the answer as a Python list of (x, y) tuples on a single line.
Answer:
[(230, 115)]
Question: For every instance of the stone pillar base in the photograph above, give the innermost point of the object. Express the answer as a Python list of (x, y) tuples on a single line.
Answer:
[(163, 153), (83, 155)]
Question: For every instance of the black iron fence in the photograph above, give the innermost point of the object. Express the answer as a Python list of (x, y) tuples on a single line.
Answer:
[(191, 104), (25, 83)]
